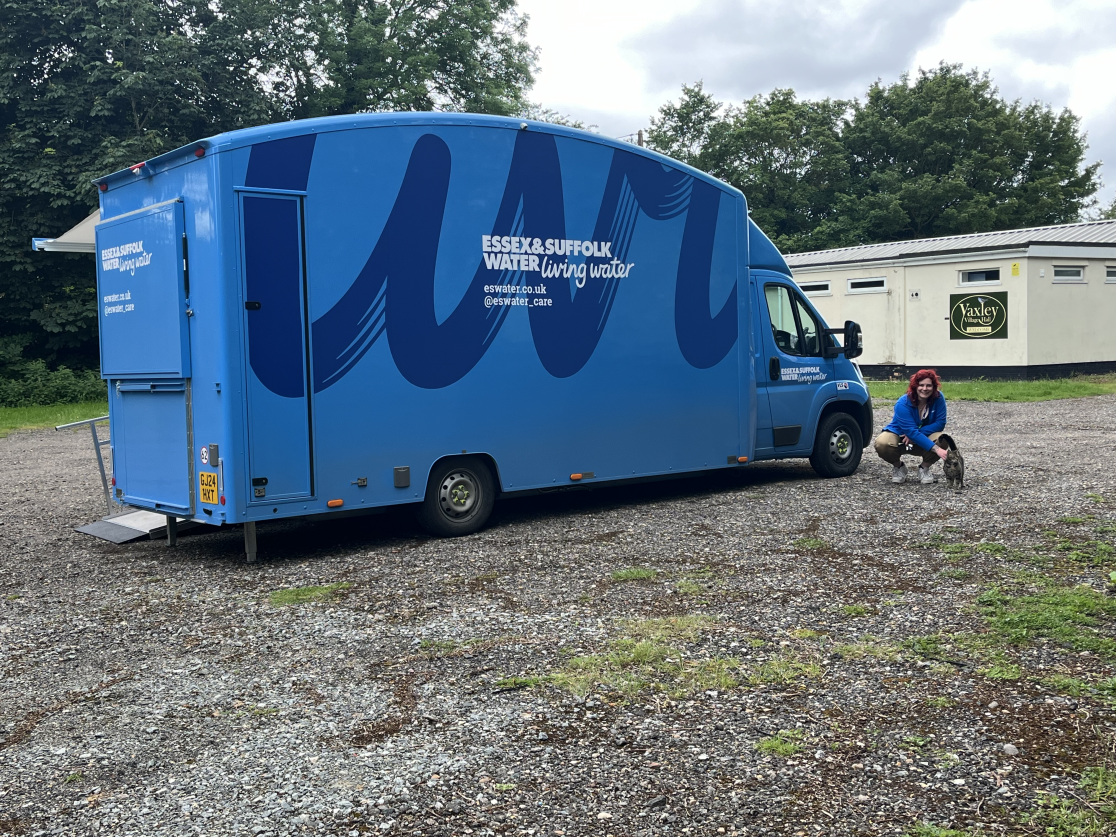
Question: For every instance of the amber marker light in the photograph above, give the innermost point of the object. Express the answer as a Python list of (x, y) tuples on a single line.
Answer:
[(575, 477), (741, 459), (335, 504)]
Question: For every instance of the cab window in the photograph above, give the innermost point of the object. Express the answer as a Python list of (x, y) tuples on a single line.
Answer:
[(811, 331), (783, 326)]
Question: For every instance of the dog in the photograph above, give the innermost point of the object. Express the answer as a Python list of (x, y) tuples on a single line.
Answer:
[(954, 464)]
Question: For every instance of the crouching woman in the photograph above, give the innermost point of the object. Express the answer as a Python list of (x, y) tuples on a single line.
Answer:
[(918, 420)]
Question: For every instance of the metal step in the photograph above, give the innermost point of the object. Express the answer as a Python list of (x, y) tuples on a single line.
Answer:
[(132, 525)]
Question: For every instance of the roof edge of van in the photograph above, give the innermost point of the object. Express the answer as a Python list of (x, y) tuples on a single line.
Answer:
[(242, 137)]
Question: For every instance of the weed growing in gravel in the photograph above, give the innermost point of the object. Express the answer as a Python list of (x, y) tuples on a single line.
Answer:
[(689, 587), (634, 574), (925, 829), (306, 595), (1075, 520), (432, 648), (929, 647), (1068, 615), (73, 777), (809, 543), (1002, 671), (804, 633), (1059, 817), (783, 671), (854, 610), (991, 548), (940, 701), (1093, 553), (648, 658), (1096, 498), (786, 742), (961, 550)]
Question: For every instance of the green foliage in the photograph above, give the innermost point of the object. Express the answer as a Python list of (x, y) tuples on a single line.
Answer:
[(925, 829), (31, 383), (786, 742), (1075, 617), (939, 154), (809, 543), (854, 610), (634, 574), (306, 595), (91, 88), (1009, 391)]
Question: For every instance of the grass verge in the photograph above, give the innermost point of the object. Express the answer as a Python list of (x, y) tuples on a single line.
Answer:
[(1071, 616), (35, 418), (1044, 390)]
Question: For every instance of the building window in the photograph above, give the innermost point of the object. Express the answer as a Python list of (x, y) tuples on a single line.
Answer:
[(1110, 275), (875, 285), (1068, 274), (979, 277), (816, 288)]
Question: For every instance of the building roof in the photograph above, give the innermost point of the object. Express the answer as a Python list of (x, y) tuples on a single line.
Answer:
[(1088, 234)]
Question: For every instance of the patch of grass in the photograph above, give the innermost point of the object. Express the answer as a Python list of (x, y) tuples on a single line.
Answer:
[(438, 647), (928, 647), (1096, 498), (804, 633), (809, 543), (35, 418), (1093, 553), (925, 829), (940, 701), (991, 548), (959, 549), (1057, 817), (307, 595), (1003, 671), (1066, 685), (782, 671), (854, 610), (1007, 391), (648, 657), (505, 786), (689, 587), (786, 742), (1070, 616), (508, 683), (264, 711), (634, 574), (915, 741), (1075, 520), (73, 777)]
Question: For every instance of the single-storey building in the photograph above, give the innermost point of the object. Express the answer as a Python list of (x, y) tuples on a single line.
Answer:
[(1025, 303)]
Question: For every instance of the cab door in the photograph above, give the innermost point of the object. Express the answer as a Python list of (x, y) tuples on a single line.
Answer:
[(795, 368)]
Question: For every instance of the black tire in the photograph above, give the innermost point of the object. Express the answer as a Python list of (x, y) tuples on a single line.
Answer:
[(459, 497), (838, 446)]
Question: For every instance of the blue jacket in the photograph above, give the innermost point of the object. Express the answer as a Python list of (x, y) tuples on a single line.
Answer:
[(905, 420)]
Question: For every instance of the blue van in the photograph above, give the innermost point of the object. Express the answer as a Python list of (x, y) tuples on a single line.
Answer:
[(438, 309)]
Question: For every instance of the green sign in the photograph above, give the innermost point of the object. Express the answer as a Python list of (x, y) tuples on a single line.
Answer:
[(978, 316)]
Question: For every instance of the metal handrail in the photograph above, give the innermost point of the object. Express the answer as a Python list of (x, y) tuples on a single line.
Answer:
[(110, 502)]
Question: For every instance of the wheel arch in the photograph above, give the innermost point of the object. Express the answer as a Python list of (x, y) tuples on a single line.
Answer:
[(487, 458), (862, 413)]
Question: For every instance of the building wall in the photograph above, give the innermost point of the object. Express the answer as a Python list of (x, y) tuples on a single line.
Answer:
[(1071, 323)]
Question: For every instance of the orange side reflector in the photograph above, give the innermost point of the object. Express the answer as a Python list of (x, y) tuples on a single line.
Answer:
[(333, 504), (741, 459), (575, 477)]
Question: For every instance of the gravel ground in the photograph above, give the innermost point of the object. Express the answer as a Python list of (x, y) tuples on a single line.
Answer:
[(827, 666)]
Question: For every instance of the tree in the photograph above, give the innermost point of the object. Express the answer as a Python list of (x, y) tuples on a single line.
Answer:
[(941, 155), (88, 88), (945, 155), (786, 155)]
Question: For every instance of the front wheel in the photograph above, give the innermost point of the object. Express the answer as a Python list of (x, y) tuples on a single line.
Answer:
[(838, 446), (459, 497)]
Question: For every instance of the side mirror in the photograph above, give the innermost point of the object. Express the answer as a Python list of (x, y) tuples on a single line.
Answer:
[(854, 340)]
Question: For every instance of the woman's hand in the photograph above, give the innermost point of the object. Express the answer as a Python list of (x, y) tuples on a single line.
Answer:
[(942, 453)]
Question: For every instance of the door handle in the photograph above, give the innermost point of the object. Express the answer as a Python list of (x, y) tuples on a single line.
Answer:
[(774, 368)]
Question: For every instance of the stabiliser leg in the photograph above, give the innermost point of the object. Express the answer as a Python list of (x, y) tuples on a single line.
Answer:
[(250, 541), (172, 530)]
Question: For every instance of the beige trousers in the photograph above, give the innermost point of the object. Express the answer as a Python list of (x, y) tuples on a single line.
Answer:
[(890, 448)]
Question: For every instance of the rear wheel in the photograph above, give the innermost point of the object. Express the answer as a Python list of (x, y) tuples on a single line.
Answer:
[(459, 497), (838, 446)]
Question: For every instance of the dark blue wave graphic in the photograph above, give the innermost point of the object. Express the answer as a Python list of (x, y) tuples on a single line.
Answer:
[(394, 292)]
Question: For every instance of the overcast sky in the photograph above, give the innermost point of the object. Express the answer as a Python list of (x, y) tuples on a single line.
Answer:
[(614, 62)]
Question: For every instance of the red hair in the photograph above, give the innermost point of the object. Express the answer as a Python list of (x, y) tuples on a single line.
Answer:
[(912, 390)]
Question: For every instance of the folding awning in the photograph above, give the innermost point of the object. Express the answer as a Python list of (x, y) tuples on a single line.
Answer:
[(79, 239)]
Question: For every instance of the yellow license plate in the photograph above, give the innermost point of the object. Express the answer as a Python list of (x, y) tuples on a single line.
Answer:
[(207, 487)]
